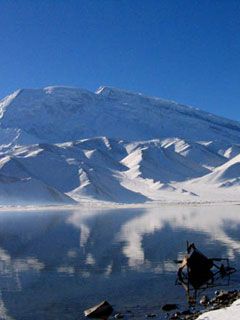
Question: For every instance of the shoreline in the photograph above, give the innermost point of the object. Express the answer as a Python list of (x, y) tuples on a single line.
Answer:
[(111, 205), (222, 300)]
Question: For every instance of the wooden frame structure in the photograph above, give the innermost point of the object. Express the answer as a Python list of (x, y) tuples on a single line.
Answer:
[(198, 272)]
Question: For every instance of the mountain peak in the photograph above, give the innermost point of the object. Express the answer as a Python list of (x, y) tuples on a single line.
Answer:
[(112, 92), (61, 113)]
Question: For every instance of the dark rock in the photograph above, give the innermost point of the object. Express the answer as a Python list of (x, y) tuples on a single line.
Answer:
[(216, 292), (186, 312), (191, 301), (223, 296), (204, 300), (129, 314), (169, 307), (118, 316), (175, 316), (100, 311)]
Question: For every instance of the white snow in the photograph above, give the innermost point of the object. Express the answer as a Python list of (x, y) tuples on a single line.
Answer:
[(231, 313), (114, 145)]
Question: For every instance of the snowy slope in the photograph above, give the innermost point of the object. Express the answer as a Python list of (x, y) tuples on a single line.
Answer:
[(25, 191), (225, 175), (57, 114), (59, 143), (231, 313), (112, 170)]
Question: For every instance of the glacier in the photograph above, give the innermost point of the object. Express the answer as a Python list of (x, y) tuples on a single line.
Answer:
[(64, 145)]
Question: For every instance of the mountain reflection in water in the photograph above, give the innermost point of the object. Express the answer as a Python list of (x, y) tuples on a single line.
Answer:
[(53, 265)]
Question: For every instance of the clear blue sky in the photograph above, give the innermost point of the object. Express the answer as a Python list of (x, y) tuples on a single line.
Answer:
[(183, 50)]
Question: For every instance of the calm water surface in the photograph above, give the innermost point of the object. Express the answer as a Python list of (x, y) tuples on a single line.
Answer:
[(53, 265)]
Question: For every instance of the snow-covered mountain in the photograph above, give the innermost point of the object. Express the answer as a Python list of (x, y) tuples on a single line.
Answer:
[(62, 144)]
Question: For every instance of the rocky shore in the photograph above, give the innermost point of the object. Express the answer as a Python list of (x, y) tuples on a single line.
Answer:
[(221, 299)]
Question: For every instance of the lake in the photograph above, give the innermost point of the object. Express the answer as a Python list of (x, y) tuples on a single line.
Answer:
[(55, 264)]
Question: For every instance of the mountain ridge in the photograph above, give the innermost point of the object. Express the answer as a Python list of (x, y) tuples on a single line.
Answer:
[(115, 145), (68, 94)]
